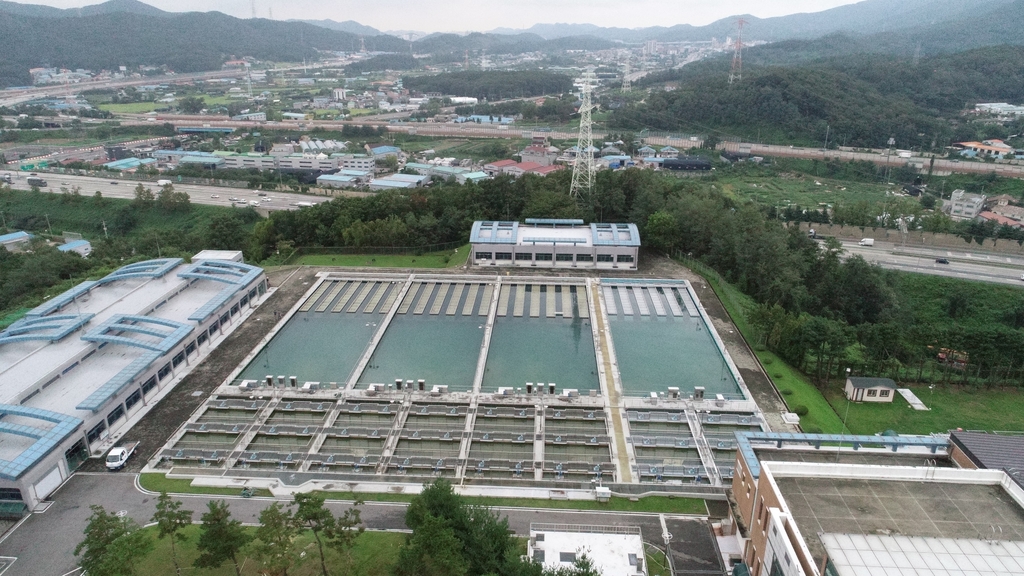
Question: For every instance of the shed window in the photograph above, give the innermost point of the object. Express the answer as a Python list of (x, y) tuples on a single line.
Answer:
[(567, 557), (605, 258), (625, 257), (483, 255), (872, 392), (563, 257), (584, 257), (149, 385), (545, 256), (884, 393), (523, 256), (502, 255)]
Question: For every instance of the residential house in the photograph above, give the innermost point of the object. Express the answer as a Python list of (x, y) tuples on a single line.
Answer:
[(999, 219), (986, 148), (15, 241), (964, 206), (668, 152), (495, 168), (870, 389), (540, 154)]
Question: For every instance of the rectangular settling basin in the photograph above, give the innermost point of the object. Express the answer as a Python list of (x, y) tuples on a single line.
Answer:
[(323, 341), (539, 336), (661, 341), (431, 339)]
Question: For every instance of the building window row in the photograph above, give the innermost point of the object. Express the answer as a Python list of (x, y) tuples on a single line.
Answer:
[(548, 257)]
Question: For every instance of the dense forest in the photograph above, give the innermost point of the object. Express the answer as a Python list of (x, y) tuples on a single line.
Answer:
[(491, 85), (187, 42), (860, 100)]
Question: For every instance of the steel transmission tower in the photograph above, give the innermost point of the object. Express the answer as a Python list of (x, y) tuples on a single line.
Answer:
[(626, 86), (737, 56), (583, 168)]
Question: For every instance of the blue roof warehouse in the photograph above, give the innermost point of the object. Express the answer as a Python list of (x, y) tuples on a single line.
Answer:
[(80, 369)]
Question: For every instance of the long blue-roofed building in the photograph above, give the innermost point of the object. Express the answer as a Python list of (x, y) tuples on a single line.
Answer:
[(80, 369)]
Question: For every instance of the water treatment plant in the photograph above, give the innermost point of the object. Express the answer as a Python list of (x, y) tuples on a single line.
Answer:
[(531, 381)]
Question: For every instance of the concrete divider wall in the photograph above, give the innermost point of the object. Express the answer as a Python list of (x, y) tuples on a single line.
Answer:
[(916, 238)]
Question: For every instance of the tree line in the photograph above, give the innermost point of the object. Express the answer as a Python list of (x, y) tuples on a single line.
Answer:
[(450, 537)]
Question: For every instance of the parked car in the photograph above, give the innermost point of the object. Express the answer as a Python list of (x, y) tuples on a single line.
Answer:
[(941, 261)]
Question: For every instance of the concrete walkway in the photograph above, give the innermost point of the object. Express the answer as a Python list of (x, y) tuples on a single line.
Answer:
[(912, 399)]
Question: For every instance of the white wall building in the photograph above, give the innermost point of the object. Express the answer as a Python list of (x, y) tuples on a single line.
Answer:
[(614, 550), (554, 244), (84, 366)]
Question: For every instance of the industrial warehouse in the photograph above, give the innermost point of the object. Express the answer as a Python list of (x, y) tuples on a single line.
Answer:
[(79, 369)]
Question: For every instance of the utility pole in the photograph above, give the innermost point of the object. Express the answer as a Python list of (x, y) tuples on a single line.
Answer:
[(48, 229), (827, 129), (626, 86), (737, 55), (104, 222), (583, 167)]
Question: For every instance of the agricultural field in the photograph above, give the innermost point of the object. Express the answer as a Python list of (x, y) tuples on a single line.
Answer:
[(800, 190)]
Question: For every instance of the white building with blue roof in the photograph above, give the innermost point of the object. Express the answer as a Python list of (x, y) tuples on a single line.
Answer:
[(79, 370), (555, 243)]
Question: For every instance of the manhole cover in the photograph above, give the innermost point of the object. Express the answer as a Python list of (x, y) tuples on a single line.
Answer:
[(197, 393)]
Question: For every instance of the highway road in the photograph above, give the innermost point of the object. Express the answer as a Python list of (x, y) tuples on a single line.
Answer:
[(198, 194), (977, 266)]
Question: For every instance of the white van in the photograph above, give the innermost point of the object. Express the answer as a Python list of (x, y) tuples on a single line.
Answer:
[(867, 242)]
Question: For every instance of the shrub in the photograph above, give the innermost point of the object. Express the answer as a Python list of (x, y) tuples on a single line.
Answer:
[(767, 361), (812, 430), (778, 375), (787, 392), (800, 410)]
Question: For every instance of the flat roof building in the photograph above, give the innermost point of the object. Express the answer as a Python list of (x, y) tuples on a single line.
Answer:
[(614, 550), (555, 243), (818, 504), (82, 367)]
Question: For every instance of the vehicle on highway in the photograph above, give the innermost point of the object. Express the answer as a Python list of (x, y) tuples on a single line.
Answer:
[(162, 182), (261, 193), (942, 261), (6, 178), (867, 242), (64, 184), (214, 195), (254, 203), (1022, 276), (233, 199), (114, 183), (35, 181)]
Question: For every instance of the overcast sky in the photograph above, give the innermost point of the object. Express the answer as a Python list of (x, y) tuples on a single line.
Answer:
[(482, 15)]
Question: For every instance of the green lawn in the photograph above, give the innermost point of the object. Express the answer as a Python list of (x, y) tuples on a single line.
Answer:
[(156, 482), (658, 504), (970, 409), (374, 554), (447, 259)]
